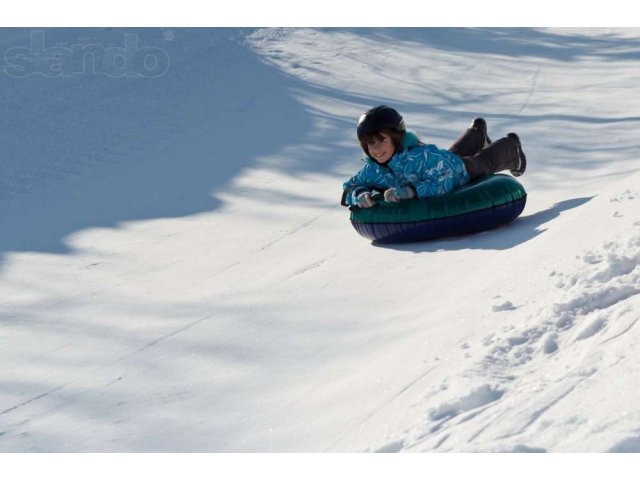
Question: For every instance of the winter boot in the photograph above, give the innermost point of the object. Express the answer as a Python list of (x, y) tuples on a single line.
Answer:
[(481, 124), (472, 140), (520, 165), (503, 154)]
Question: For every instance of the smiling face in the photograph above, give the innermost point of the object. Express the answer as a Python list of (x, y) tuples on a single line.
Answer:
[(381, 149)]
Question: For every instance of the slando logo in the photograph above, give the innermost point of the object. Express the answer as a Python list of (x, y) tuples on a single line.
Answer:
[(132, 60)]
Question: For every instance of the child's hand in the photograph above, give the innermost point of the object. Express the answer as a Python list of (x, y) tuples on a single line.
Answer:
[(365, 200), (398, 194)]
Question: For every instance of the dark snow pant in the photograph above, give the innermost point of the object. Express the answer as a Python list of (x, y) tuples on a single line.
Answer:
[(497, 156)]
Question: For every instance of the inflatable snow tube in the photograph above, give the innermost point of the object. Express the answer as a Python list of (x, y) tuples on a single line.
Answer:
[(485, 203)]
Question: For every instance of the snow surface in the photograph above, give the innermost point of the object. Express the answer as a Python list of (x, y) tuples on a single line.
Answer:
[(176, 273)]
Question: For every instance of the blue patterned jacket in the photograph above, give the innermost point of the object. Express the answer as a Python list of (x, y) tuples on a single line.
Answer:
[(431, 171)]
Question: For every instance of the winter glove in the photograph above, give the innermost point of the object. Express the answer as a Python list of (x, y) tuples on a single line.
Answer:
[(365, 201), (397, 194)]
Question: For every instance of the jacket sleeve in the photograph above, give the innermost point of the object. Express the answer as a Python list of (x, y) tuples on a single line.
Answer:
[(353, 187), (368, 179), (428, 189)]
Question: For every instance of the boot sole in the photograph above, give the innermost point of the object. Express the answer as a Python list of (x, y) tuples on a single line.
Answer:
[(522, 159)]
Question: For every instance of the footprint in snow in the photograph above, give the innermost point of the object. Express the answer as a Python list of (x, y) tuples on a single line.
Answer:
[(550, 344), (393, 447), (628, 445), (503, 307), (479, 397), (593, 328)]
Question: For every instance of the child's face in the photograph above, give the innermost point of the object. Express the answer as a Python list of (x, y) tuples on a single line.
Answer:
[(381, 150)]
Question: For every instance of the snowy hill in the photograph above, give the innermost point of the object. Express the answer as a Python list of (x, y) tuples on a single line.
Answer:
[(176, 273)]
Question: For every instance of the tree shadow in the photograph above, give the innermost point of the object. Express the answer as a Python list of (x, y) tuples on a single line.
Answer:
[(86, 147), (513, 42), (520, 231)]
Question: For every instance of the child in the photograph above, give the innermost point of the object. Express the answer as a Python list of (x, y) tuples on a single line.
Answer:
[(402, 167)]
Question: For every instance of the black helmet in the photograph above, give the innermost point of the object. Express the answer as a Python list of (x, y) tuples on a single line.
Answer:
[(378, 118)]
